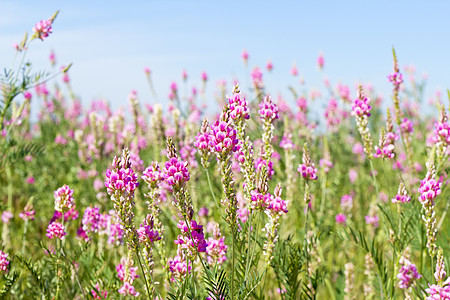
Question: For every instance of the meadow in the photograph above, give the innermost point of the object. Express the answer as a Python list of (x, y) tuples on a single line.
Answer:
[(247, 197)]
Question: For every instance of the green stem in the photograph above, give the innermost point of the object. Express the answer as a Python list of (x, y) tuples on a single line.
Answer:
[(145, 277), (232, 271), (374, 180), (211, 189)]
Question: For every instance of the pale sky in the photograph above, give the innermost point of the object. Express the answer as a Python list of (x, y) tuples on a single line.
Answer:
[(110, 42)]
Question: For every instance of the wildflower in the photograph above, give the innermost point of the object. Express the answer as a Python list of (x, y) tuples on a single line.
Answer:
[(63, 198), (406, 126), (274, 210), (257, 78), (191, 239), (268, 110), (347, 202), (120, 183), (127, 273), (43, 29), (128, 289), (294, 70), (307, 169), (238, 106), (269, 66), (385, 149), (176, 172), (153, 174), (91, 218), (4, 262), (216, 249), (321, 61), (442, 133), (244, 56), (223, 136), (361, 110), (6, 216), (203, 141), (103, 294), (204, 76), (402, 195), (28, 213), (341, 218), (56, 230), (147, 233), (178, 267), (407, 274)]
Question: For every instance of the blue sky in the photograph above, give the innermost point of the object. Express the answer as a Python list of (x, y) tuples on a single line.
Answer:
[(110, 42)]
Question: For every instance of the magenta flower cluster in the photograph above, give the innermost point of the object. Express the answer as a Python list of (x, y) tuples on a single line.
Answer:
[(396, 78), (216, 250), (442, 132), (238, 107), (4, 262), (56, 230), (202, 141), (406, 126), (223, 138), (308, 172), (152, 174), (147, 234), (361, 107), (176, 171), (268, 110), (63, 198), (259, 163), (43, 28), (123, 181), (429, 189), (192, 237), (441, 292), (407, 274), (268, 202), (178, 267)]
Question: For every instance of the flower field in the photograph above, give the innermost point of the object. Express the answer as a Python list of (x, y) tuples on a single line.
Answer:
[(245, 197)]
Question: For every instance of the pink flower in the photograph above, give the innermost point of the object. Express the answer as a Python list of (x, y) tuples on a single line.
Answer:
[(204, 76), (56, 230), (103, 294), (437, 292), (361, 107), (268, 110), (341, 218), (30, 180), (28, 213), (321, 61), (238, 107), (372, 220), (269, 65), (3, 262), (257, 78), (294, 71), (128, 290), (407, 126), (27, 95), (43, 29), (223, 137), (63, 198), (407, 273), (178, 267), (147, 71), (147, 234), (176, 171), (352, 175), (307, 171), (244, 56), (6, 216)]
